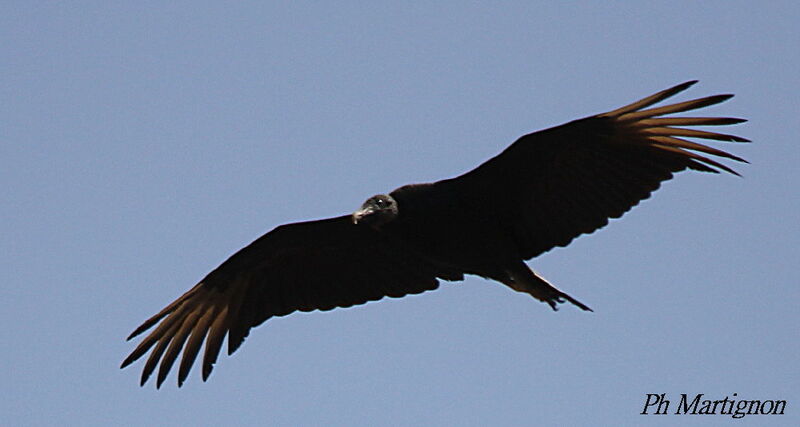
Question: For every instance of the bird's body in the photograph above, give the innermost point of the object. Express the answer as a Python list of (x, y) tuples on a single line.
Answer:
[(438, 236), (543, 191)]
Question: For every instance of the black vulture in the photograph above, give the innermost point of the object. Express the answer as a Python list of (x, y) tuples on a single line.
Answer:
[(541, 192)]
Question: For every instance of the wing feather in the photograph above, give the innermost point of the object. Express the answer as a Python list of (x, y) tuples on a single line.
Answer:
[(175, 346), (195, 342), (157, 352), (216, 333)]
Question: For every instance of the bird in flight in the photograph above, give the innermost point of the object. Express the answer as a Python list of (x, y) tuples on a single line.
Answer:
[(543, 191)]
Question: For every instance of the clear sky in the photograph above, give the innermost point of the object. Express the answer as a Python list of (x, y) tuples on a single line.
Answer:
[(141, 143)]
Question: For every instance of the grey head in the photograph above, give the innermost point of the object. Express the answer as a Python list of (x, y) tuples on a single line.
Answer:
[(376, 211)]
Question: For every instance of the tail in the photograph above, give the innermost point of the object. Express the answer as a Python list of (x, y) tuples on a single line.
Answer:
[(522, 279)]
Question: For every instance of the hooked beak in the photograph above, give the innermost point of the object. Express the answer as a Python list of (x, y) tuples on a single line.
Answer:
[(361, 213)]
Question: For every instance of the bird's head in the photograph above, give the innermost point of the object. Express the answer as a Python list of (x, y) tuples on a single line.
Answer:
[(376, 211)]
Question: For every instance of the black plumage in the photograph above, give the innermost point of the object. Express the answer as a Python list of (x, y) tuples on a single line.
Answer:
[(543, 191)]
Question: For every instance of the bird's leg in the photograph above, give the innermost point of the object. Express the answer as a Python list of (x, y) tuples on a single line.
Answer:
[(523, 279)]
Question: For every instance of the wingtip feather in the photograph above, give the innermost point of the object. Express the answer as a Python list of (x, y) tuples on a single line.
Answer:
[(649, 100), (125, 363)]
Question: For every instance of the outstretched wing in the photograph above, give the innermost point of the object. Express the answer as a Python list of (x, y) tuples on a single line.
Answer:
[(317, 265), (551, 186)]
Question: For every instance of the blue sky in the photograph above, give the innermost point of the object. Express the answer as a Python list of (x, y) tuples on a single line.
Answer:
[(143, 143)]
